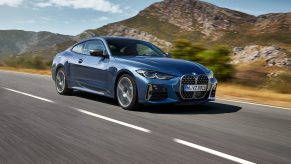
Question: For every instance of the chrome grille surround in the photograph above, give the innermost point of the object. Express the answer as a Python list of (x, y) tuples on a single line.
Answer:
[(192, 80)]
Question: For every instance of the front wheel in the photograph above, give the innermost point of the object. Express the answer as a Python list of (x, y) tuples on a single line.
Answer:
[(126, 92), (61, 82)]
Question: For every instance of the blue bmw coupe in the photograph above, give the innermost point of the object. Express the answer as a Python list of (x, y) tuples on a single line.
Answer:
[(133, 72)]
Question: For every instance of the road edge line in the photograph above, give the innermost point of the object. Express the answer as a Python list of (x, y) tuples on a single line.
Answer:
[(251, 103)]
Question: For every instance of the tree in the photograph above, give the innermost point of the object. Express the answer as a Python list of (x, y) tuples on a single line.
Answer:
[(183, 49), (216, 59)]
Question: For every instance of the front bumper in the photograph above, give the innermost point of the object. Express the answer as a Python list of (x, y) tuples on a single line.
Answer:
[(154, 91)]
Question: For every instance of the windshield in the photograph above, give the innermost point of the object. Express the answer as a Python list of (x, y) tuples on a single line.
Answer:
[(131, 47)]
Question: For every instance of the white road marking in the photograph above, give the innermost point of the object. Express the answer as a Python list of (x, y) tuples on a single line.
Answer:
[(85, 112), (214, 152), (113, 120), (257, 104), (26, 94)]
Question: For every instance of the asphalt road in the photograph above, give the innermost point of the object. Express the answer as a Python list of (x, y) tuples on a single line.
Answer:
[(39, 126)]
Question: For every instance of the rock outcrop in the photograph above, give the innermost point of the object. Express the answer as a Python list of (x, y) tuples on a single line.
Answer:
[(272, 23), (273, 56)]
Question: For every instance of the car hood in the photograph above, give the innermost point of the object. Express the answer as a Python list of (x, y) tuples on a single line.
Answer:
[(163, 64)]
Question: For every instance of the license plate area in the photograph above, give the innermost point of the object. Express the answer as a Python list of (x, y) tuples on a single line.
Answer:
[(194, 88)]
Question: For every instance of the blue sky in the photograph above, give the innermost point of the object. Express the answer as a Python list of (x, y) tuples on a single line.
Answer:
[(74, 16), (255, 7)]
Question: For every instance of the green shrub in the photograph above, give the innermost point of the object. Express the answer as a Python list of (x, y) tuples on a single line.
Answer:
[(35, 62), (183, 49), (216, 59)]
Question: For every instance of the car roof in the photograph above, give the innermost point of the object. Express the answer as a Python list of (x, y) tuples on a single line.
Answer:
[(105, 38), (113, 38)]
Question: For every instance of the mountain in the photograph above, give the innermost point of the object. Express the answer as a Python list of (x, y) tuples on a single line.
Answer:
[(164, 22), (261, 45), (17, 42)]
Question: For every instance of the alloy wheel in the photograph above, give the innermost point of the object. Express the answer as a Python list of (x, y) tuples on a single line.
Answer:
[(60, 81), (124, 92)]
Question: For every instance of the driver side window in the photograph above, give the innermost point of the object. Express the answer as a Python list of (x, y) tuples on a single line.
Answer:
[(92, 45)]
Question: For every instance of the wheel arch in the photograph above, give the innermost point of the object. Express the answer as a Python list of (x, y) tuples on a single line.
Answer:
[(66, 69), (55, 70), (59, 66)]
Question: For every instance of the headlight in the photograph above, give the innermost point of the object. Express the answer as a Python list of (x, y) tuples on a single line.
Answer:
[(154, 75), (210, 74)]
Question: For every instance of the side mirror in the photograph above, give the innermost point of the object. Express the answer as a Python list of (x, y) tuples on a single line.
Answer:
[(98, 52), (169, 55)]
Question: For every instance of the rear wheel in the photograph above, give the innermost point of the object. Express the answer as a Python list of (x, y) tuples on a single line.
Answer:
[(61, 82), (126, 92)]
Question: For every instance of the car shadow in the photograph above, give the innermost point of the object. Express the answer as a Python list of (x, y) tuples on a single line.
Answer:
[(205, 108), (95, 97)]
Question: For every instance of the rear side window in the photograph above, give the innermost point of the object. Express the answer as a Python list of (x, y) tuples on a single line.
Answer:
[(93, 44), (78, 48)]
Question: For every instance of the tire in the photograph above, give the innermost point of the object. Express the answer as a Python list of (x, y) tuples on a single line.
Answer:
[(126, 92), (61, 83)]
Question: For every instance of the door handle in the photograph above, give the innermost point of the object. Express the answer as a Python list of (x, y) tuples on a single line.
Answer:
[(80, 61)]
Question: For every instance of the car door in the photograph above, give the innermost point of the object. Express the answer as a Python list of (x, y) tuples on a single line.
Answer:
[(96, 67), (76, 66)]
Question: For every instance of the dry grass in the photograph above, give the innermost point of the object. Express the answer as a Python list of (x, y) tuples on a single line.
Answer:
[(32, 71), (226, 91), (262, 96)]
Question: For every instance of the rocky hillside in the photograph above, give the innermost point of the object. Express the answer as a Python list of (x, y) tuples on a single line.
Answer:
[(270, 55), (17, 42), (193, 15), (198, 21), (164, 22), (121, 30), (272, 23)]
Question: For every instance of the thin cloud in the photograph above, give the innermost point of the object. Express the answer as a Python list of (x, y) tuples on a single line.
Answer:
[(101, 19), (11, 3), (43, 4), (28, 21), (98, 5)]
